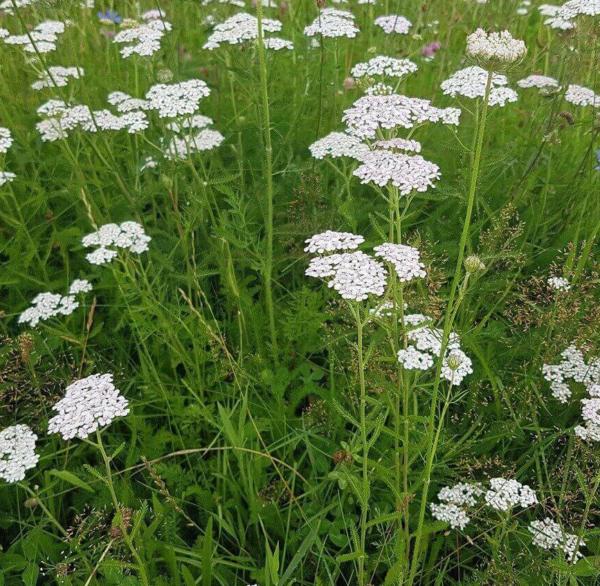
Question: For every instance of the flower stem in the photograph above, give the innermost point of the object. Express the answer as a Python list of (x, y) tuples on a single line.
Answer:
[(266, 122), (432, 435)]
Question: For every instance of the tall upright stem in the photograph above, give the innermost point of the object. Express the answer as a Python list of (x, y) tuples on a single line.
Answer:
[(362, 579), (266, 120), (432, 436)]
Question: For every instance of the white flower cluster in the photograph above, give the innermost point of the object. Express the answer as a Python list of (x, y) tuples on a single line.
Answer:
[(240, 28), (338, 144), (559, 284), (499, 47), (47, 305), (393, 23), (88, 404), (17, 452), (8, 6), (180, 148), (454, 500), (582, 96), (562, 17), (331, 241), (540, 82), (42, 39), (548, 534), (406, 172), (384, 66), (399, 144), (125, 103), (405, 260), (372, 113), (60, 119), (127, 235), (426, 345), (277, 44), (6, 140), (6, 177), (143, 39), (332, 23), (573, 366), (354, 275), (176, 99), (471, 82), (503, 495), (57, 76), (379, 89)]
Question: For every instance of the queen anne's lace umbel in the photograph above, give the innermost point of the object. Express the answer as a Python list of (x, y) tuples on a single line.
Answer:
[(17, 452), (89, 404)]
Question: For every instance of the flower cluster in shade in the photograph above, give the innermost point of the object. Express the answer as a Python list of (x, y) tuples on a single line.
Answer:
[(471, 82), (332, 23), (6, 141), (574, 367), (143, 39), (495, 47), (393, 24), (559, 283), (89, 404), (563, 17), (457, 502), (17, 452), (242, 28), (47, 305), (111, 238), (41, 39), (549, 535), (425, 346)]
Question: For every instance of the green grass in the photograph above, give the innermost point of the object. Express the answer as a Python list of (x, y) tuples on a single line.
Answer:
[(273, 438)]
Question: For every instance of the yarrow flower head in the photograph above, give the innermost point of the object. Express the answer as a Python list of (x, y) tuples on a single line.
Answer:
[(405, 260), (393, 24), (582, 96), (177, 99), (385, 66), (408, 173), (17, 452), (142, 39), (42, 39), (563, 17), (338, 144), (559, 284), (371, 113), (548, 535), (6, 177), (6, 139), (57, 76), (47, 305), (111, 237), (182, 148), (541, 82), (331, 241), (332, 23), (504, 494), (455, 500), (471, 82), (354, 275), (399, 144), (89, 404), (240, 28), (495, 48)]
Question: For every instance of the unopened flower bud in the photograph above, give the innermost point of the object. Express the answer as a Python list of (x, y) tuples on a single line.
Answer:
[(473, 264)]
